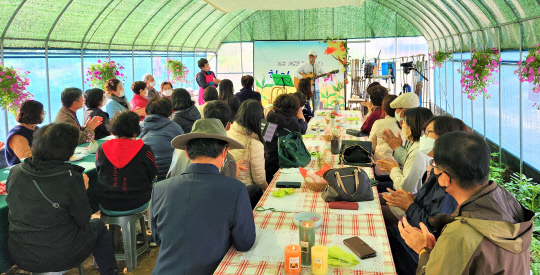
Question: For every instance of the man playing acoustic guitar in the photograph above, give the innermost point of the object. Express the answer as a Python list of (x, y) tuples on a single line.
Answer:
[(310, 69)]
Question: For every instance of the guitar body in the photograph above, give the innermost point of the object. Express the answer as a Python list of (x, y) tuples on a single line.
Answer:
[(296, 80), (312, 77)]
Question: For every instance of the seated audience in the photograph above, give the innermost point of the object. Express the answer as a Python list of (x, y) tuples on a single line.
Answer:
[(489, 233), (430, 200), (285, 115), (381, 150), (201, 211), (367, 104), (157, 130), (210, 94), (304, 87), (19, 139), (150, 84), (402, 103), (185, 111), (247, 91), (226, 94), (247, 130), (94, 100), (300, 115), (410, 177), (139, 100), (72, 101), (180, 162), (376, 96), (166, 89), (126, 166), (50, 225), (117, 101)]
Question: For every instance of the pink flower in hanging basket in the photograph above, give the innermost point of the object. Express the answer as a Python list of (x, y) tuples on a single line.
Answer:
[(530, 59), (98, 61)]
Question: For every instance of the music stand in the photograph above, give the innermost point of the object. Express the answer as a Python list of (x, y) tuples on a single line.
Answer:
[(282, 81)]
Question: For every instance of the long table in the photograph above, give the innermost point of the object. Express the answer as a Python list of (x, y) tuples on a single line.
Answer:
[(337, 225), (93, 192)]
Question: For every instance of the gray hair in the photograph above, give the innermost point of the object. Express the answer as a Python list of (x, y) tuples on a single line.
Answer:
[(145, 77)]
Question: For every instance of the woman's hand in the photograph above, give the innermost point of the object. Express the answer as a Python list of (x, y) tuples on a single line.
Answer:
[(387, 165), (393, 141), (239, 167), (299, 113), (94, 122), (216, 81), (399, 198), (140, 111)]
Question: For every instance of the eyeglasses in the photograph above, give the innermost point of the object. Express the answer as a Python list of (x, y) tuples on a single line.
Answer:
[(434, 165)]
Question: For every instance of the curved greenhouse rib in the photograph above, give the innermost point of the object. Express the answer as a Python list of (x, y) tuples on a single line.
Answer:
[(182, 26), (420, 14), (93, 22), (413, 22), (169, 22), (151, 17), (119, 26), (11, 20), (55, 22), (224, 27), (187, 37), (195, 46)]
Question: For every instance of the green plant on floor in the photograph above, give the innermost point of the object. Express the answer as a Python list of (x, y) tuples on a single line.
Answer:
[(535, 256), (527, 193), (496, 169)]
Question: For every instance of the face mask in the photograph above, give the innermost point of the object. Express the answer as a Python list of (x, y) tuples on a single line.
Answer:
[(426, 144), (121, 93), (398, 116), (404, 133), (167, 92), (152, 84)]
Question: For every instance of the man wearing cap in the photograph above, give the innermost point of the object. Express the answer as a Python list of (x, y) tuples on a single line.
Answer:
[(311, 66), (198, 215), (401, 104)]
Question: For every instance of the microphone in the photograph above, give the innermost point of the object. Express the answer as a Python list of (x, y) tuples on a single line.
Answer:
[(311, 60)]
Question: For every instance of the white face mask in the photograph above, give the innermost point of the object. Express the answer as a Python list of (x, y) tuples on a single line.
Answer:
[(167, 92), (152, 84), (426, 144), (399, 118), (121, 93)]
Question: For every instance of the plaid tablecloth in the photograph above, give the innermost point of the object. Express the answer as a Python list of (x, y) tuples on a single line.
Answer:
[(359, 225)]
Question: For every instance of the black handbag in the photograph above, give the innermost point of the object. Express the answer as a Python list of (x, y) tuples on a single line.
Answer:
[(347, 184), (356, 133), (357, 153)]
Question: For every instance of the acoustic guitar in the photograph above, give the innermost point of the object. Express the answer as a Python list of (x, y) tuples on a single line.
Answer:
[(311, 77)]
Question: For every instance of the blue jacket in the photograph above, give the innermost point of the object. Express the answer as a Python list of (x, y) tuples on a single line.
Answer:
[(430, 201), (196, 217), (158, 132)]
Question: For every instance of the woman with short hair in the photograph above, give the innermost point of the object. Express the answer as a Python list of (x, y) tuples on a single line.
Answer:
[(94, 100), (376, 95), (157, 130), (380, 149), (139, 100), (19, 139), (185, 111), (126, 166), (166, 89), (50, 227)]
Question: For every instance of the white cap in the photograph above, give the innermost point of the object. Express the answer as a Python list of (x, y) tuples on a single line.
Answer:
[(405, 101), (312, 52)]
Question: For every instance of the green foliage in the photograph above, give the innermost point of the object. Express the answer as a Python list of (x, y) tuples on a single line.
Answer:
[(535, 256), (496, 169), (262, 86), (99, 73), (176, 70)]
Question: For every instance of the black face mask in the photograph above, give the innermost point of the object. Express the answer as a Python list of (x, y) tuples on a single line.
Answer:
[(442, 187)]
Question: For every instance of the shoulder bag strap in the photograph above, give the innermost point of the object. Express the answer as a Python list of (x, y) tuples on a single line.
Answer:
[(54, 204), (340, 182)]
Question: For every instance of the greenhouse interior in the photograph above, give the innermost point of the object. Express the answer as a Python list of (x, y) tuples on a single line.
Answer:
[(351, 97)]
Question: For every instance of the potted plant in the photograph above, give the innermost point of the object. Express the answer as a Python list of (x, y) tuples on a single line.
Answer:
[(438, 58), (333, 116), (93, 146), (478, 72), (336, 140), (98, 73), (176, 70), (13, 91), (529, 71)]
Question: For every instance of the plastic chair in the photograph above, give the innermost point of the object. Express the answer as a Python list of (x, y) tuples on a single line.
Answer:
[(129, 236), (81, 271)]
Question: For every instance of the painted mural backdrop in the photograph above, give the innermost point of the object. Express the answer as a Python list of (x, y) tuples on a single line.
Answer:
[(283, 57)]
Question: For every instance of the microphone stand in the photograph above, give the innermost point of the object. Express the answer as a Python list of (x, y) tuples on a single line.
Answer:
[(314, 93)]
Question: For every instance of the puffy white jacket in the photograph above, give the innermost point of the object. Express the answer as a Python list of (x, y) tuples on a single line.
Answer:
[(252, 154)]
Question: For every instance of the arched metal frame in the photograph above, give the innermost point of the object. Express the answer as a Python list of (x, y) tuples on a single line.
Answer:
[(436, 20)]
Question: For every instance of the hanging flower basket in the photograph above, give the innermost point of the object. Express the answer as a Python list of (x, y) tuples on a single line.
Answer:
[(438, 58), (13, 91), (478, 72), (529, 71), (177, 71), (98, 73)]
